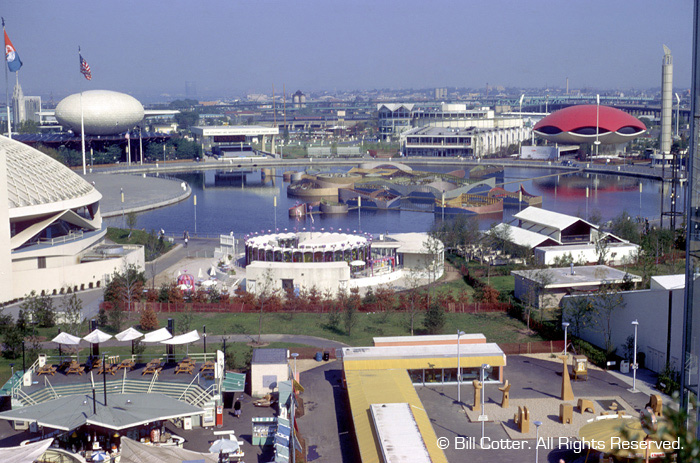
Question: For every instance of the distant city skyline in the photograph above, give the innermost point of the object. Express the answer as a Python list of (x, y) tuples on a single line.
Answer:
[(227, 49)]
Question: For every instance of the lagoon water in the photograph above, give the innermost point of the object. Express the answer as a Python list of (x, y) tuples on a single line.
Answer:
[(229, 201)]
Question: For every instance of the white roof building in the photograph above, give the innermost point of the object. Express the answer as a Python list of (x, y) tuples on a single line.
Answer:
[(49, 219)]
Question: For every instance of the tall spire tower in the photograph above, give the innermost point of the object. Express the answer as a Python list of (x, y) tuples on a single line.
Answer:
[(666, 101)]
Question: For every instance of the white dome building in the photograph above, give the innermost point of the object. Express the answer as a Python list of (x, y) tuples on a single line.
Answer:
[(104, 112), (49, 221)]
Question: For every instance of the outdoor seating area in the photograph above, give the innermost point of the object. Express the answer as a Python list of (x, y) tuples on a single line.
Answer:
[(154, 366), (187, 365)]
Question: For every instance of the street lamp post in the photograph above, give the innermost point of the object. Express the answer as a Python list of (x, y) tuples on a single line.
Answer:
[(522, 126), (483, 417), (678, 111), (459, 370), (537, 438), (566, 332), (294, 356), (634, 361), (597, 124), (204, 335)]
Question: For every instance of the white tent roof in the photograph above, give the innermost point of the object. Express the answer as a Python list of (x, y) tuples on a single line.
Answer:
[(25, 453), (66, 338), (157, 335), (128, 334), (135, 452), (97, 337), (186, 338), (552, 219), (523, 237)]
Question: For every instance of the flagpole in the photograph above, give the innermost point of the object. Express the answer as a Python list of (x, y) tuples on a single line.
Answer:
[(82, 130), (82, 118), (7, 91)]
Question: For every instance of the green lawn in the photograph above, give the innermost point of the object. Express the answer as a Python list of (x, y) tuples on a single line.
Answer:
[(153, 246), (502, 283)]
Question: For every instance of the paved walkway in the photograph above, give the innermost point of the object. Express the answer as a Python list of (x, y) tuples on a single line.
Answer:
[(140, 192)]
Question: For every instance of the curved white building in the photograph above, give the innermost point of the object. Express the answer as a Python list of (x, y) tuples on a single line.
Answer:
[(104, 112), (49, 221)]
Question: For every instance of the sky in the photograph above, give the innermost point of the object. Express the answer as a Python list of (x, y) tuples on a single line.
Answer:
[(229, 48)]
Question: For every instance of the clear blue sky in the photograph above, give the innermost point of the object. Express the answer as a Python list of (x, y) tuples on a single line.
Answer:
[(229, 47)]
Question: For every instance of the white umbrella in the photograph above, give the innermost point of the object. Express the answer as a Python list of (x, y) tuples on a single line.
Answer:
[(208, 283), (212, 271), (224, 446), (128, 334), (96, 337), (65, 338), (157, 335), (200, 274), (100, 456), (186, 338)]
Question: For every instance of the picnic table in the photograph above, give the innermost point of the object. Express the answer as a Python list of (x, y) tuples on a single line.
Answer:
[(107, 368), (126, 363), (46, 370), (209, 365), (152, 367), (75, 367), (186, 366)]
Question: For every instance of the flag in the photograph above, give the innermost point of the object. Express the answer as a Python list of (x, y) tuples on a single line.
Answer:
[(84, 67), (11, 55)]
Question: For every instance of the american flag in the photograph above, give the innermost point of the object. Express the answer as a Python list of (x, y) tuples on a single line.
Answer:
[(84, 67)]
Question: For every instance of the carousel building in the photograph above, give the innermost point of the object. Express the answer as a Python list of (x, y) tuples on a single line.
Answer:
[(332, 260)]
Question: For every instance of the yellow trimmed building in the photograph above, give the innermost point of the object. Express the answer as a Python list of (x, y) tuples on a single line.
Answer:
[(381, 383)]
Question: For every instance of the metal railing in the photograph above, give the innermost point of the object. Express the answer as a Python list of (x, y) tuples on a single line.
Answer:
[(204, 396), (72, 236), (153, 381), (184, 393), (48, 383)]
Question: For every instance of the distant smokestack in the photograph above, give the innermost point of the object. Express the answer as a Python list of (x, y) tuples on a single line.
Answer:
[(666, 100)]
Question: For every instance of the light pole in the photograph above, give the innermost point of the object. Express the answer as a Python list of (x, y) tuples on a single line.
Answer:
[(459, 370), (483, 417), (522, 126), (195, 215), (566, 332), (537, 438), (634, 362), (678, 111), (294, 356), (597, 123)]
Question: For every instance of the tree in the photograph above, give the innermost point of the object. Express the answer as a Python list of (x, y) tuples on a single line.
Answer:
[(116, 317), (149, 319), (536, 295), (411, 299), (186, 119), (623, 226), (602, 248), (579, 312), (607, 301), (352, 305), (131, 220), (27, 126), (12, 342), (125, 286), (433, 250), (40, 308), (185, 320), (72, 307), (434, 320), (266, 291)]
